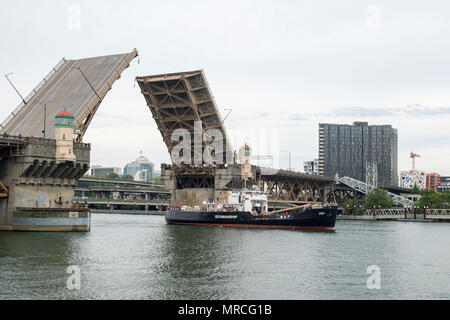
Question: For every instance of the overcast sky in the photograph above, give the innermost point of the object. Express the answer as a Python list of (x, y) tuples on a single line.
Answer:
[(281, 66)]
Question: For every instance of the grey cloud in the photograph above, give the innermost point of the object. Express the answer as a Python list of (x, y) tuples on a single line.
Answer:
[(414, 110)]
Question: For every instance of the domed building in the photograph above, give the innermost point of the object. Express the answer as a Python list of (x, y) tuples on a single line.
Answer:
[(140, 169)]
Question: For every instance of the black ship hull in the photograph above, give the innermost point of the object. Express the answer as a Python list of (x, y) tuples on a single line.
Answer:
[(309, 218)]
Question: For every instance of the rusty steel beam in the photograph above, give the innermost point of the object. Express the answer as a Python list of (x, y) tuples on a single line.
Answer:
[(295, 188), (296, 202)]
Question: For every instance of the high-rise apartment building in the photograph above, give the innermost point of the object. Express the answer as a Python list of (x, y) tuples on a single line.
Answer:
[(348, 149), (444, 184), (433, 181), (311, 167)]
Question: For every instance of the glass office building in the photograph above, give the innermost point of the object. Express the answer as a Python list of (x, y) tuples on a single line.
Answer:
[(348, 149), (141, 163)]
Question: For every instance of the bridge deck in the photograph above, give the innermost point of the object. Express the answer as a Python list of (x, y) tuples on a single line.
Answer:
[(66, 88)]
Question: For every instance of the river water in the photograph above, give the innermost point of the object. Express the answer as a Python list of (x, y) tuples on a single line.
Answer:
[(140, 257)]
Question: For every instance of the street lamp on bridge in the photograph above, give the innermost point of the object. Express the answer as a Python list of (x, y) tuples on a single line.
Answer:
[(6, 76)]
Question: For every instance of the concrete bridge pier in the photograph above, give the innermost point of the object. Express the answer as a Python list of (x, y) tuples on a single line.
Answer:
[(40, 191)]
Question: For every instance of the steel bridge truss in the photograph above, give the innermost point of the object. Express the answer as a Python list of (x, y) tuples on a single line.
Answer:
[(341, 194), (184, 101), (194, 177), (366, 188), (291, 187)]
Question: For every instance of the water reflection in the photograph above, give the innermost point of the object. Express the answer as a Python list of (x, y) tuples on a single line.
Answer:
[(33, 264), (127, 257)]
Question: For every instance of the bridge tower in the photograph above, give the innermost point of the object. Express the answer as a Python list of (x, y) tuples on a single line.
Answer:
[(64, 125), (245, 162)]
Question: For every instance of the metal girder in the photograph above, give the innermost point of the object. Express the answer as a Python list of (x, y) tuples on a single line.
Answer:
[(203, 181), (342, 194), (177, 101), (292, 188), (194, 177)]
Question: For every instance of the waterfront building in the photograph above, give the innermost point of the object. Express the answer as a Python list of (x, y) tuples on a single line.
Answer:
[(100, 171), (141, 163), (413, 178), (444, 184), (311, 167), (347, 150), (433, 181)]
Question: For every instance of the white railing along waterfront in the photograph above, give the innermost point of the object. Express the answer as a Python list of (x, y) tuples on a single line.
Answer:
[(386, 212), (437, 212)]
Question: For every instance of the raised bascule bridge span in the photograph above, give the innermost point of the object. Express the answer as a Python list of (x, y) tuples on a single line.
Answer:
[(184, 101), (178, 101), (79, 86), (36, 188)]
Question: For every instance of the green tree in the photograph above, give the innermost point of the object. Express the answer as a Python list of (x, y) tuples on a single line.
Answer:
[(112, 175), (378, 198), (416, 190), (156, 180), (350, 205), (433, 199)]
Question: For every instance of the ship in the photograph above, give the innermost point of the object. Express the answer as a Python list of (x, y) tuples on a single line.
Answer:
[(248, 208)]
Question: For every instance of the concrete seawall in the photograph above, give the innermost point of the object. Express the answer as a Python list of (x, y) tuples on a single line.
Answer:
[(129, 212), (46, 219)]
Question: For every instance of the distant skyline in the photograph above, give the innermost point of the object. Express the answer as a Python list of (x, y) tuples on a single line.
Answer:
[(284, 65)]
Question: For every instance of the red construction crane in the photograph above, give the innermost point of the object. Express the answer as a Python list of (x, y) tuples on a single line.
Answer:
[(413, 156)]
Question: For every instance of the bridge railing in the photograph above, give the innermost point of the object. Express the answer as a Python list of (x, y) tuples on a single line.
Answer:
[(385, 212), (31, 95), (437, 212)]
